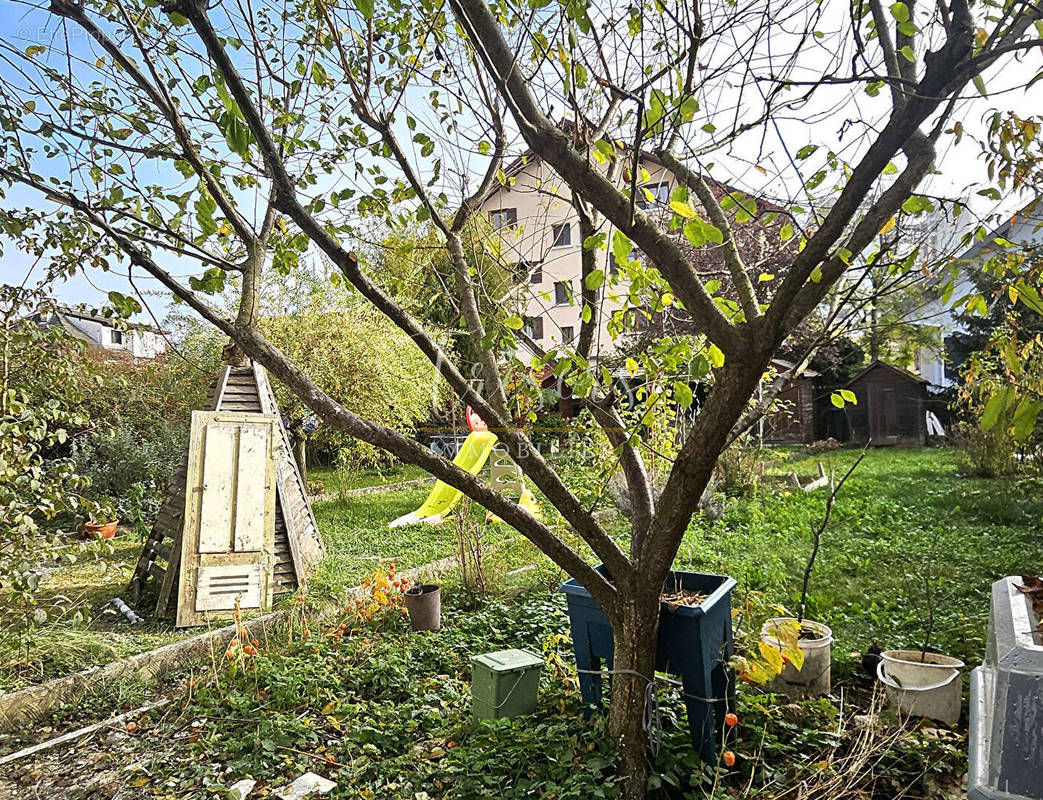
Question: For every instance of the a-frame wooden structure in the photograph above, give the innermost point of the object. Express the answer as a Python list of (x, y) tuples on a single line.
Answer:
[(298, 544)]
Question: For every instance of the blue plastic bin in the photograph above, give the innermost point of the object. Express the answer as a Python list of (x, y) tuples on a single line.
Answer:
[(694, 643)]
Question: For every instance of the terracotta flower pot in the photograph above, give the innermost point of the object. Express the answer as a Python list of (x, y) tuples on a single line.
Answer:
[(100, 530)]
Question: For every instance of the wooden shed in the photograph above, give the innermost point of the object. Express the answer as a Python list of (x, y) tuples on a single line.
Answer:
[(793, 419), (890, 408)]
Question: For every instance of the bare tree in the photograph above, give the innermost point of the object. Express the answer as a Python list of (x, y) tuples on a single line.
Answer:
[(226, 140)]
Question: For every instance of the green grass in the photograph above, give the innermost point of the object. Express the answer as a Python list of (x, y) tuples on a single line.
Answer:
[(902, 515), (76, 633), (335, 480)]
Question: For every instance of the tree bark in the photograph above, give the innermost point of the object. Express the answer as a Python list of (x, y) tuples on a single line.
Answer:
[(634, 648)]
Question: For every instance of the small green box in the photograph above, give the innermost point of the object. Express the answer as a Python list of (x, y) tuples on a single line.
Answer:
[(505, 683)]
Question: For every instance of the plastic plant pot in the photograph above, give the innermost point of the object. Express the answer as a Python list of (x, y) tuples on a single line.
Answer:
[(100, 530), (505, 684), (694, 642), (932, 687), (814, 678), (424, 604)]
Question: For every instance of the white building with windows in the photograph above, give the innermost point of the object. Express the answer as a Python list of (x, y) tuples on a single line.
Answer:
[(102, 333), (537, 228)]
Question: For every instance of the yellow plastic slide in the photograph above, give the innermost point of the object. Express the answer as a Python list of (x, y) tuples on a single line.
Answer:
[(472, 457)]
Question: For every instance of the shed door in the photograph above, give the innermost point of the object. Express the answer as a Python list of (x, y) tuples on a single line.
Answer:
[(883, 414), (228, 540)]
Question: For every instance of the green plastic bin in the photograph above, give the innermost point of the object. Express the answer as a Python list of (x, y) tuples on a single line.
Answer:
[(505, 683)]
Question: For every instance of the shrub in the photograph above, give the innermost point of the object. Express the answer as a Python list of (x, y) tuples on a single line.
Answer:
[(131, 469)]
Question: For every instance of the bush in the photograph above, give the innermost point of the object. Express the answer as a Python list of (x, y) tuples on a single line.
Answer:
[(130, 468)]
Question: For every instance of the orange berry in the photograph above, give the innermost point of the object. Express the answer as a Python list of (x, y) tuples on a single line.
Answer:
[(132, 727), (255, 643), (305, 632), (731, 720), (729, 758), (229, 654), (243, 634)]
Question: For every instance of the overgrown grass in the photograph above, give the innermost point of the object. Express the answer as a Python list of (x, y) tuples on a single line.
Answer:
[(76, 633), (903, 516)]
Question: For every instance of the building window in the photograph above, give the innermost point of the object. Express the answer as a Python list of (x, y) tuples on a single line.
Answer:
[(561, 235), (660, 194), (561, 293), (568, 333), (116, 337), (535, 273), (503, 218), (534, 328), (640, 319)]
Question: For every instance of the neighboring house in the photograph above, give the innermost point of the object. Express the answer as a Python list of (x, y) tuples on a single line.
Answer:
[(1025, 230), (101, 333), (537, 229)]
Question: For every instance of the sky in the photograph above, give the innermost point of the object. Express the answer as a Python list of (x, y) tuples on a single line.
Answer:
[(961, 168)]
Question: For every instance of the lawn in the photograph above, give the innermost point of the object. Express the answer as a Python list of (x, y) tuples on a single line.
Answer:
[(386, 713), (335, 480)]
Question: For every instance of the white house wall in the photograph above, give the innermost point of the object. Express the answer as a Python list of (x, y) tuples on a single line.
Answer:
[(542, 200)]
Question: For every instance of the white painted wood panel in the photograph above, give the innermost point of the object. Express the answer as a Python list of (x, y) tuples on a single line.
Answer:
[(219, 585), (215, 511), (251, 488)]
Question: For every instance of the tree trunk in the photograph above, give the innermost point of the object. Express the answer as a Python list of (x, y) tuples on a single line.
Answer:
[(634, 635)]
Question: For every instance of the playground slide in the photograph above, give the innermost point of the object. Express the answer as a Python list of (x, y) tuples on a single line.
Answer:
[(472, 457)]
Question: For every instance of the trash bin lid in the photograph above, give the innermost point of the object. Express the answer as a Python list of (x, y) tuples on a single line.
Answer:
[(508, 660)]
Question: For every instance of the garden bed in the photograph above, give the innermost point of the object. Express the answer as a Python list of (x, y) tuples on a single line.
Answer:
[(386, 713)]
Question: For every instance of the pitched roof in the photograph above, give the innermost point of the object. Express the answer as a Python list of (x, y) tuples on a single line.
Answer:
[(899, 370)]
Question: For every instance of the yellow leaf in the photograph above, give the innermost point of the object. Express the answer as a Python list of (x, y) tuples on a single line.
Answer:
[(889, 225), (683, 209), (795, 656), (771, 655), (667, 299)]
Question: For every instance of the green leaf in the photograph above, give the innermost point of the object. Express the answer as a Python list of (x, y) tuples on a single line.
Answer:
[(365, 8), (979, 84), (1025, 418), (515, 323), (907, 51), (849, 396), (595, 279), (621, 248), (714, 354), (996, 405), (900, 11), (682, 393)]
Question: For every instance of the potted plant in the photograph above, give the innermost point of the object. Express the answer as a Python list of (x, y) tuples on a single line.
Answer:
[(809, 675), (694, 641), (919, 683), (103, 520), (424, 604)]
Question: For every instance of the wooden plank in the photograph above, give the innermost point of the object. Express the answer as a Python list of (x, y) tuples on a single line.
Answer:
[(250, 489), (215, 512), (81, 732), (210, 580)]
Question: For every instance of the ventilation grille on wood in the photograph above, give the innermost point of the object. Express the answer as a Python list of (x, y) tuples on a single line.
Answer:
[(219, 586)]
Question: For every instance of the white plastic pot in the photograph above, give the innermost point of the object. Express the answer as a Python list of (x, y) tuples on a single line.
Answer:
[(814, 678), (930, 688)]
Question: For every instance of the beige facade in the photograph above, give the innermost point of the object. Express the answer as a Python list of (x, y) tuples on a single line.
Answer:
[(538, 229)]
